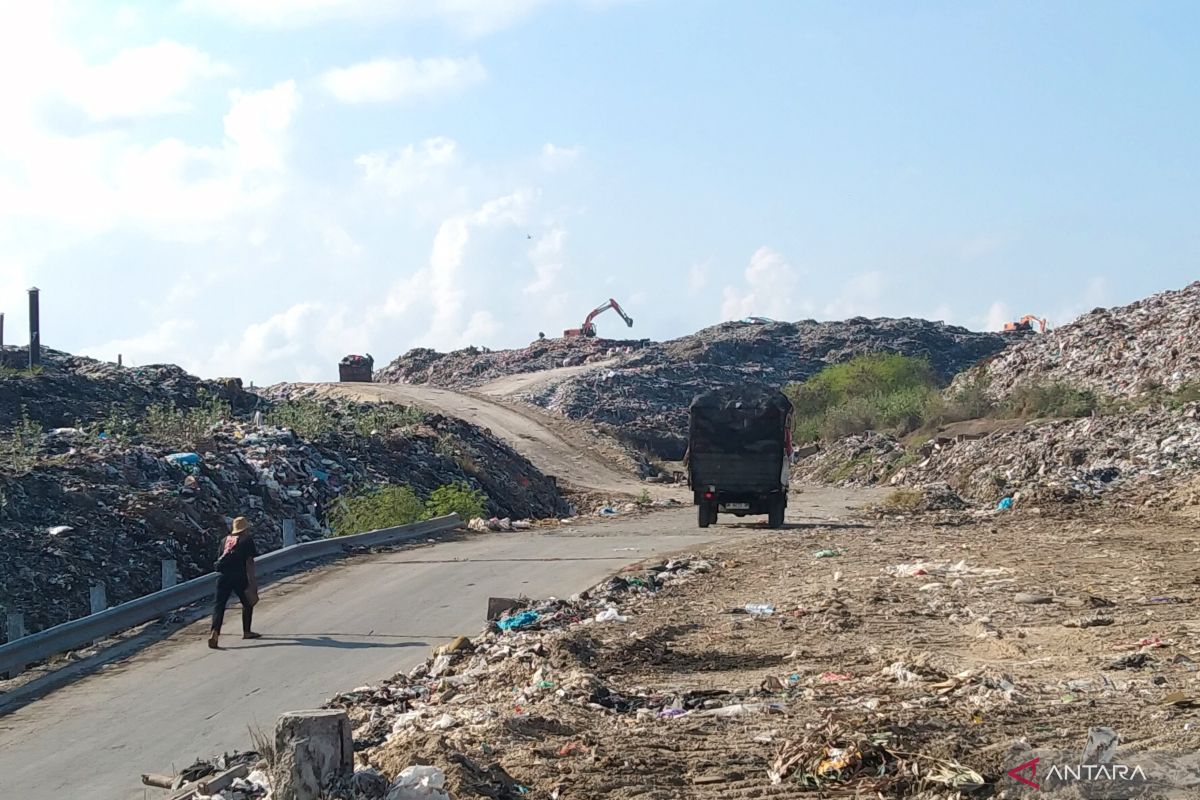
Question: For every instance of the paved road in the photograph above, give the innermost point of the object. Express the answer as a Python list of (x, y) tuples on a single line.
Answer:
[(327, 631)]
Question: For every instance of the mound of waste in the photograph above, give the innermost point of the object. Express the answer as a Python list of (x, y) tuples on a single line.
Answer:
[(1153, 344), (640, 392)]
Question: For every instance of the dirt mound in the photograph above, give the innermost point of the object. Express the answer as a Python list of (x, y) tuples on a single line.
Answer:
[(642, 395), (1150, 345)]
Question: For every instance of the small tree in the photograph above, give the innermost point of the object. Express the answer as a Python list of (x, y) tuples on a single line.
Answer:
[(457, 498)]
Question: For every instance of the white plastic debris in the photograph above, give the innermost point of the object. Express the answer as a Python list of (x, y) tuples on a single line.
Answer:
[(59, 529), (611, 614), (419, 783)]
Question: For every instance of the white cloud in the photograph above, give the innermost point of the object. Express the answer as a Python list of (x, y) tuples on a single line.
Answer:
[(556, 158), (411, 168), (547, 259), (470, 17), (387, 80), (697, 278), (998, 314), (162, 344), (771, 286), (258, 123), (860, 297), (139, 81)]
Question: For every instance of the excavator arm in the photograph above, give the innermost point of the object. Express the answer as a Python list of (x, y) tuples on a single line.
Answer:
[(589, 327)]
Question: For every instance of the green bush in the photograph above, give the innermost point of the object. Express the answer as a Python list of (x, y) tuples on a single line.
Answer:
[(970, 401), (457, 498), (178, 427), (882, 391), (375, 508), (1050, 400), (315, 420), (21, 446)]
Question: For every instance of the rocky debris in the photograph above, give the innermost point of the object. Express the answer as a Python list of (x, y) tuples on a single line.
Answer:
[(1150, 345), (72, 388), (1147, 452), (473, 366), (90, 507), (643, 396)]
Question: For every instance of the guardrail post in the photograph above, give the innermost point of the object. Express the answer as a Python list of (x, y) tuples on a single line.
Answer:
[(170, 573), (99, 598), (16, 630), (289, 532)]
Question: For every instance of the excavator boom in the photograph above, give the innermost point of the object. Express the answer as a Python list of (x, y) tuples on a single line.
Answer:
[(589, 327)]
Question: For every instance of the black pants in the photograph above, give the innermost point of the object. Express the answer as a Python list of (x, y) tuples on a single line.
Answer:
[(227, 585)]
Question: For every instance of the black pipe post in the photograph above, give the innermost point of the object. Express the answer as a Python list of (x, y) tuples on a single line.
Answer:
[(35, 330)]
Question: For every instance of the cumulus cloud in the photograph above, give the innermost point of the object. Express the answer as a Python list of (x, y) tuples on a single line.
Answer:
[(258, 122), (555, 157), (771, 285), (998, 314), (140, 81), (387, 80), (413, 167), (470, 17), (546, 256), (861, 296)]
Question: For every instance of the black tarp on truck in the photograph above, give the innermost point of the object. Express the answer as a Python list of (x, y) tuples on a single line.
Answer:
[(738, 457)]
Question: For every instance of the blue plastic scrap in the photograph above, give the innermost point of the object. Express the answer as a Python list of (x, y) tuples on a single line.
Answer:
[(184, 459), (518, 621), (1005, 504)]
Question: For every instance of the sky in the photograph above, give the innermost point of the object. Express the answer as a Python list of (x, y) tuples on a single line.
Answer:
[(259, 187)]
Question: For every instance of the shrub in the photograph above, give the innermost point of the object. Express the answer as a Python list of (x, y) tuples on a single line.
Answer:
[(375, 508), (167, 424), (882, 391), (309, 419), (1050, 400), (20, 447), (904, 500), (457, 498)]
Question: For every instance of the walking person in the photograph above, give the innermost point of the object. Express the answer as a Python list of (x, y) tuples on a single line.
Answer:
[(235, 575)]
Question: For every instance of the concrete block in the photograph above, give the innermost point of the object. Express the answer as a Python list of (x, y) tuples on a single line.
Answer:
[(313, 750)]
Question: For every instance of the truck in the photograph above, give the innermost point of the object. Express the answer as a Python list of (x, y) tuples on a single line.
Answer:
[(739, 453)]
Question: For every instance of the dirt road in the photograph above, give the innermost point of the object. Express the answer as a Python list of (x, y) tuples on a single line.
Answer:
[(547, 445)]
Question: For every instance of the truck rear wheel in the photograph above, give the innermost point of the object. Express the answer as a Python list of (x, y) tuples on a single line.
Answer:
[(775, 515), (707, 515)]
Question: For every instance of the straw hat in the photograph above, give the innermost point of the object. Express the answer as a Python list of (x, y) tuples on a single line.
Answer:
[(240, 525)]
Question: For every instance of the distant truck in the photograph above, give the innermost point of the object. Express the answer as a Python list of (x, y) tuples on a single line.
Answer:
[(739, 453), (356, 369)]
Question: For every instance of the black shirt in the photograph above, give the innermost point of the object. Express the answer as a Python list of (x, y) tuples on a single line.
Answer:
[(235, 550)]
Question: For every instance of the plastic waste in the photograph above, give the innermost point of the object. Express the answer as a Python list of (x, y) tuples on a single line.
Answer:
[(1005, 504), (184, 459), (760, 609), (611, 614), (518, 621), (58, 529), (827, 553), (444, 723), (419, 783)]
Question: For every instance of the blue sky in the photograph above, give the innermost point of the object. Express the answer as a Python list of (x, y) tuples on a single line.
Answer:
[(257, 187)]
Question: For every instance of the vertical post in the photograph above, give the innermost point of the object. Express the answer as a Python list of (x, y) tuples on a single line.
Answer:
[(16, 630), (170, 573), (289, 532), (35, 330), (119, 362), (1, 338), (99, 598)]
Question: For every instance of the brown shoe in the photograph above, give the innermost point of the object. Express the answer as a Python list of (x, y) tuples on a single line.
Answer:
[(251, 635), (212, 642)]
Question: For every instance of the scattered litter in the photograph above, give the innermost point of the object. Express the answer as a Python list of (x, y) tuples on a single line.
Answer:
[(1005, 504), (517, 621), (759, 609), (827, 553), (1029, 599), (611, 614)]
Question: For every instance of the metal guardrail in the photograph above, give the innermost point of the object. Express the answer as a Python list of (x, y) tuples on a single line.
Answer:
[(14, 656)]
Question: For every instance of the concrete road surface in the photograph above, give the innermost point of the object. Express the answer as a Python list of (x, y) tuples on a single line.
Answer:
[(327, 631)]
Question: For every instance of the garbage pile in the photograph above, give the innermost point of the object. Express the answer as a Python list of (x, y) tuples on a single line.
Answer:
[(1143, 453), (472, 366), (70, 388), (84, 506), (1150, 345), (642, 397)]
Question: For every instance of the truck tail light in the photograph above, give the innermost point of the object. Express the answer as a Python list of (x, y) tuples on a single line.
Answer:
[(709, 495)]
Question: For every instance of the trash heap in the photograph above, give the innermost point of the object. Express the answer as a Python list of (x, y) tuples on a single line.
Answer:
[(1140, 455), (642, 397), (472, 366), (91, 507), (70, 388), (1150, 345)]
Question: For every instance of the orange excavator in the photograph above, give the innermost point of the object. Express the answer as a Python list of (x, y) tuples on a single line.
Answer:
[(1024, 324), (589, 327)]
